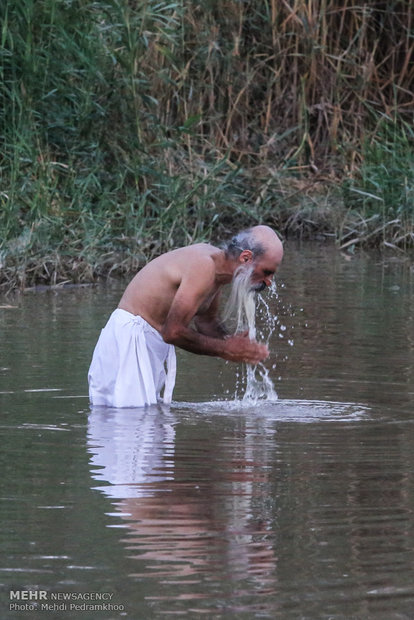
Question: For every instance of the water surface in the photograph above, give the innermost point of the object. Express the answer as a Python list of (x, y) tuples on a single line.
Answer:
[(300, 508)]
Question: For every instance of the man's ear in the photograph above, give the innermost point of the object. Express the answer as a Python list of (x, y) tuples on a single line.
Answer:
[(246, 256)]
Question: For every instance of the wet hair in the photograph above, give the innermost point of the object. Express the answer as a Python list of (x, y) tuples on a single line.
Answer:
[(244, 240)]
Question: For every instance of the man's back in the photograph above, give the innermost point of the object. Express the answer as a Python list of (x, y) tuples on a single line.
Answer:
[(151, 292)]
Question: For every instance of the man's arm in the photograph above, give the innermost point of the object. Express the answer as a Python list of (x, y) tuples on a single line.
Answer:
[(195, 285), (213, 328), (208, 323)]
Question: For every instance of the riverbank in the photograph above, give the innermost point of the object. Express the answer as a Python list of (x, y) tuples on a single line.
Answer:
[(68, 248), (296, 209), (127, 131)]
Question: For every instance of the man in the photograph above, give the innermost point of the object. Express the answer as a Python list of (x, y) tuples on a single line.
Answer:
[(174, 300)]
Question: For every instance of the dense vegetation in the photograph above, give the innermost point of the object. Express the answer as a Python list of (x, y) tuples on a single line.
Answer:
[(129, 127)]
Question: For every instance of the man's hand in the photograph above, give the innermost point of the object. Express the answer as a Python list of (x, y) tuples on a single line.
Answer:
[(241, 349)]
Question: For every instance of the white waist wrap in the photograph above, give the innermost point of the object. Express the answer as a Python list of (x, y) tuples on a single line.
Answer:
[(127, 368)]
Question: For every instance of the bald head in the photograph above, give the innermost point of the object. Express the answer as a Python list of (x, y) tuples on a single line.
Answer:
[(259, 240), (260, 250), (268, 240)]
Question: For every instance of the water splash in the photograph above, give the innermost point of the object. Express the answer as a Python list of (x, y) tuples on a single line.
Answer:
[(258, 384)]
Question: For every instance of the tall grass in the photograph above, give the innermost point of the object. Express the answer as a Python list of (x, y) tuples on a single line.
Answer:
[(382, 192), (128, 128)]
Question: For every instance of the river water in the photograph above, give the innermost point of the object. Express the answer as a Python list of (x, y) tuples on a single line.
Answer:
[(215, 508)]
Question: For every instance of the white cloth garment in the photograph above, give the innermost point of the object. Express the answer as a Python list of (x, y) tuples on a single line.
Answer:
[(128, 364)]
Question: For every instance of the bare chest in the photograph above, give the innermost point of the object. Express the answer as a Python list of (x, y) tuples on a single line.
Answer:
[(208, 301)]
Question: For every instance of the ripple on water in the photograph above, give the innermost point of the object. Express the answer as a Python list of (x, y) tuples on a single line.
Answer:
[(283, 410)]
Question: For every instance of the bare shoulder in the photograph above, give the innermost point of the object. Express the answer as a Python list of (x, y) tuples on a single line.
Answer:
[(198, 251), (199, 254), (183, 278), (186, 261)]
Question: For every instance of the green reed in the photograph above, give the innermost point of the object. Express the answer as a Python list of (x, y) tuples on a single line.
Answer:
[(128, 128)]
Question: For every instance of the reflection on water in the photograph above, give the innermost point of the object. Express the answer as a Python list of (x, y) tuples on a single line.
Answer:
[(190, 513), (297, 504), (220, 508), (130, 448)]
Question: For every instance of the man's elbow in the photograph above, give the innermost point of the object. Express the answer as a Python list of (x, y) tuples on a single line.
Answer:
[(171, 334)]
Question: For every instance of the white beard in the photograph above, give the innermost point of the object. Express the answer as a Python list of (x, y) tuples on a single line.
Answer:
[(241, 302)]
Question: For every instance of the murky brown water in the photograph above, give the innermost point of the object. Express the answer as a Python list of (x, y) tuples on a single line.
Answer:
[(301, 508)]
